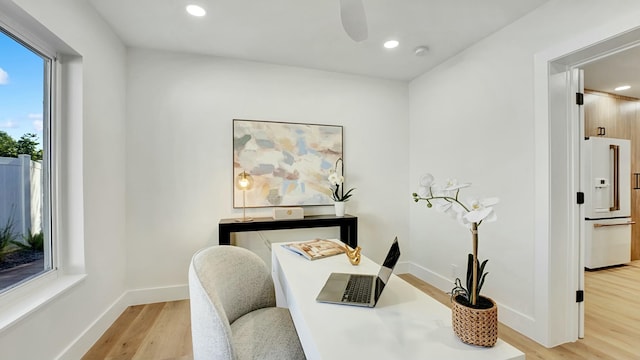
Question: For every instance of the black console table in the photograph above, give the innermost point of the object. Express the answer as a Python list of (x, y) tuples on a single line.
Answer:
[(348, 226)]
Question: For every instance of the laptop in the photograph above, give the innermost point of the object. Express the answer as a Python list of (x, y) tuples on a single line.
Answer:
[(360, 289)]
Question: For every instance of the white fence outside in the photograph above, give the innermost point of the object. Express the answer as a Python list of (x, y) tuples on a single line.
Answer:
[(21, 195)]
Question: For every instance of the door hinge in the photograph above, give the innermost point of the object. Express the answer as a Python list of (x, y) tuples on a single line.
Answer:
[(580, 198), (579, 99), (579, 296)]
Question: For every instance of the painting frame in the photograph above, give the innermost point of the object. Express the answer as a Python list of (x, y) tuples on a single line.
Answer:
[(289, 162)]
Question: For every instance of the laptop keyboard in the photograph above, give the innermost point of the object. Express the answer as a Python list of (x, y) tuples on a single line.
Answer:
[(358, 289)]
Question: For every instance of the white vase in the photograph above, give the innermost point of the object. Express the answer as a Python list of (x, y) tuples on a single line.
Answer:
[(339, 205)]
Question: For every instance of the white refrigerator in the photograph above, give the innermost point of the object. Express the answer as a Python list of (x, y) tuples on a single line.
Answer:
[(607, 200)]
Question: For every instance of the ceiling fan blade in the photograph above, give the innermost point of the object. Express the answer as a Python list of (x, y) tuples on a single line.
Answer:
[(354, 19)]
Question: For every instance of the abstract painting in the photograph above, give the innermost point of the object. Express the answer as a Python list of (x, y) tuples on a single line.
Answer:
[(289, 162)]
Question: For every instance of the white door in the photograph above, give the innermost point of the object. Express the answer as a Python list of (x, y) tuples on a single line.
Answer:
[(566, 130), (577, 117)]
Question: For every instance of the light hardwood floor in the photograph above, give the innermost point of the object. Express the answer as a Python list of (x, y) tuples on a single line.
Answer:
[(612, 324)]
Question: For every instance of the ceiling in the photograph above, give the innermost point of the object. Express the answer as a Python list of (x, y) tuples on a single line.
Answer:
[(309, 33), (622, 68)]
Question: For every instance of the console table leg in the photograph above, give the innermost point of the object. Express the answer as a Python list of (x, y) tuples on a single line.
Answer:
[(224, 237), (349, 235)]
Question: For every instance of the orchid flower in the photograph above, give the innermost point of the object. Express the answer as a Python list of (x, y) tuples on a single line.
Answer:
[(336, 180), (426, 181), (453, 185), (445, 199), (481, 210)]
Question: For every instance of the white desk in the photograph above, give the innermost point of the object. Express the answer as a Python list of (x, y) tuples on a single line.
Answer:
[(405, 324)]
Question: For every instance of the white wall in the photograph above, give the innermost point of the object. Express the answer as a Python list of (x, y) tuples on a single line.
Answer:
[(179, 152), (478, 110), (178, 160), (96, 148)]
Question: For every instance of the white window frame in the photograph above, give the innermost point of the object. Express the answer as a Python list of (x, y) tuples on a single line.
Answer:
[(63, 169), (48, 109)]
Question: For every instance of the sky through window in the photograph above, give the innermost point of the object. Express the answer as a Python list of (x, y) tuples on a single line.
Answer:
[(21, 89)]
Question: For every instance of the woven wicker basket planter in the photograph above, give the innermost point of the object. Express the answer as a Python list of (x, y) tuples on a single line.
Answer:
[(475, 326)]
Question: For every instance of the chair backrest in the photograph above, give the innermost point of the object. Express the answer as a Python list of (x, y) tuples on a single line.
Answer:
[(225, 282)]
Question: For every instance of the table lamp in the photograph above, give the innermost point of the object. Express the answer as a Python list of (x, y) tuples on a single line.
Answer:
[(244, 182)]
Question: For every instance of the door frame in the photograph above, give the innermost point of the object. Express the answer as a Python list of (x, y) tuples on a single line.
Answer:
[(557, 215)]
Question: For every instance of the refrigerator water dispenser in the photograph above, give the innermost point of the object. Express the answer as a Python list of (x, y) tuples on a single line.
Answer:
[(601, 195)]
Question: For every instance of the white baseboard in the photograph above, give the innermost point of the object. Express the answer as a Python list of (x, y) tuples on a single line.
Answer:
[(85, 341), (402, 267), (514, 319), (434, 279), (158, 294)]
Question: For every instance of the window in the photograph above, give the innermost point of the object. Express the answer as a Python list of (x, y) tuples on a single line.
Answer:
[(25, 161)]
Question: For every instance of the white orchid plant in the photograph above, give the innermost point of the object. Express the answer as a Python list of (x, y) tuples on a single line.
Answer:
[(337, 184), (471, 213)]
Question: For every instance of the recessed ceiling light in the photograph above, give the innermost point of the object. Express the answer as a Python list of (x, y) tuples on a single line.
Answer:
[(391, 44), (624, 87), (196, 10)]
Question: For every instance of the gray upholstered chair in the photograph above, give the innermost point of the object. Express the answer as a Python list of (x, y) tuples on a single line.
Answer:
[(233, 313)]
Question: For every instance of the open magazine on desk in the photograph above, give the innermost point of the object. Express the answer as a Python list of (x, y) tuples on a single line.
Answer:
[(315, 249)]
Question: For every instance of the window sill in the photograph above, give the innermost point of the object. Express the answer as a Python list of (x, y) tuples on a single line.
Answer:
[(19, 303)]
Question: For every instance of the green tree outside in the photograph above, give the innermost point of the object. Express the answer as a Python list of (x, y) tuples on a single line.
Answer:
[(27, 144), (7, 145)]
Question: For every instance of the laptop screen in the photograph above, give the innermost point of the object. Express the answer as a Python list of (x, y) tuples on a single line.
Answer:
[(387, 267)]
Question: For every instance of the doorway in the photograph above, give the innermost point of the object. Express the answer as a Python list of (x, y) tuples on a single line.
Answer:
[(610, 111), (565, 250), (612, 99)]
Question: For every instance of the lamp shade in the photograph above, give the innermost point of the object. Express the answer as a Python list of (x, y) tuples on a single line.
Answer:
[(244, 181)]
